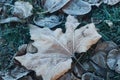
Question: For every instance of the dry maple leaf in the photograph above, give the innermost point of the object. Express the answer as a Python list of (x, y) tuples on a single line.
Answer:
[(22, 9), (56, 48)]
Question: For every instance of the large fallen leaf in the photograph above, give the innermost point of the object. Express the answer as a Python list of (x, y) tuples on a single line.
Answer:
[(56, 48), (54, 5), (77, 7), (111, 2), (22, 9)]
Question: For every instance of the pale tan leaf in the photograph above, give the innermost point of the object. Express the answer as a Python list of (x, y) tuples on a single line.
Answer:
[(54, 5), (77, 7), (22, 9), (56, 48)]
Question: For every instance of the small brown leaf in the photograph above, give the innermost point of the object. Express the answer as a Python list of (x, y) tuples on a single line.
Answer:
[(106, 46), (49, 22), (10, 19), (100, 59)]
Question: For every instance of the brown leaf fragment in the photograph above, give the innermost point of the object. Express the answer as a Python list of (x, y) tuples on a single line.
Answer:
[(66, 76), (106, 46), (31, 49), (77, 7), (22, 9), (54, 5), (113, 60), (100, 59), (56, 48), (111, 2), (21, 50)]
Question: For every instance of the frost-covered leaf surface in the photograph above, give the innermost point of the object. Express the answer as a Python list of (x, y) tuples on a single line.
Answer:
[(56, 48), (14, 74), (113, 60), (77, 7), (54, 5), (49, 22), (22, 9)]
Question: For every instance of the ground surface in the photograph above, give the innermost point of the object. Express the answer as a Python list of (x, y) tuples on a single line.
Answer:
[(12, 35)]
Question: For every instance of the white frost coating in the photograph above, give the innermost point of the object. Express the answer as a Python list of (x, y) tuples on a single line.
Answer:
[(77, 7)]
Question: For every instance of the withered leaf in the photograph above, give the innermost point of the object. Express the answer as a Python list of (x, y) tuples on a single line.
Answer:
[(90, 76), (100, 59), (54, 5), (106, 46), (94, 2), (49, 22), (113, 60), (15, 73), (77, 7), (22, 9), (111, 2), (56, 48), (10, 19)]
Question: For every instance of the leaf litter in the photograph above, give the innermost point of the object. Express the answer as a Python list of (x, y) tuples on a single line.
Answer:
[(53, 51)]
